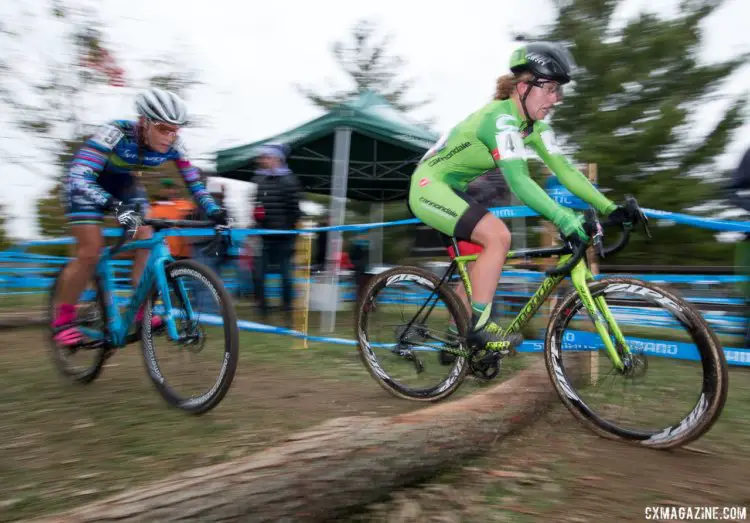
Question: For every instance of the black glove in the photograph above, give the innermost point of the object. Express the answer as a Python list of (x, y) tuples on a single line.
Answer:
[(623, 216), (574, 241), (130, 216), (219, 217)]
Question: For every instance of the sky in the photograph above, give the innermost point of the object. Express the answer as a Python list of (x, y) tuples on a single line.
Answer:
[(250, 55)]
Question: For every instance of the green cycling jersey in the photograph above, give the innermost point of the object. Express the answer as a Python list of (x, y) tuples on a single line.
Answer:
[(495, 136)]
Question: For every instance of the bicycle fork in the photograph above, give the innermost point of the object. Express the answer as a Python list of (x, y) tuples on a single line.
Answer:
[(600, 315), (185, 310)]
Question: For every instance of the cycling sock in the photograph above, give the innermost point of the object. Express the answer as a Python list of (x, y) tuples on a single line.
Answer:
[(480, 315), (156, 321), (66, 313)]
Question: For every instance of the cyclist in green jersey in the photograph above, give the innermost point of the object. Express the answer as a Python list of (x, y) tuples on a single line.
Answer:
[(495, 136)]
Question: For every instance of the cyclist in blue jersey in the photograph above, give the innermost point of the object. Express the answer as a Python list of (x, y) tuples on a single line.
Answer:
[(102, 178)]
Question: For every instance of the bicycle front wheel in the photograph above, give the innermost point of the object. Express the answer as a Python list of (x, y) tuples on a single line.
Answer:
[(675, 372), (207, 348)]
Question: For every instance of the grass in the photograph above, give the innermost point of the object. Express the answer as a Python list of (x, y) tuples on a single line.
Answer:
[(62, 445)]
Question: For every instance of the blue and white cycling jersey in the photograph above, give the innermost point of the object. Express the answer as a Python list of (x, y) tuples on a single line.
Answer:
[(102, 171)]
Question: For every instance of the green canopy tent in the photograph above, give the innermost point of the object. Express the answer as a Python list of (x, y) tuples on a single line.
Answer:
[(362, 149), (380, 148)]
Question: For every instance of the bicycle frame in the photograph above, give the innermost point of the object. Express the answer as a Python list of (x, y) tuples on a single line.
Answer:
[(154, 271), (580, 275)]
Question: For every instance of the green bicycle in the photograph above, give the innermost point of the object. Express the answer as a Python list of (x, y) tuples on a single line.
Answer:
[(198, 312), (626, 329)]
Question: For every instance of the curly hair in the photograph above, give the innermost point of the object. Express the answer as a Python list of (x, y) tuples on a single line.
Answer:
[(506, 83)]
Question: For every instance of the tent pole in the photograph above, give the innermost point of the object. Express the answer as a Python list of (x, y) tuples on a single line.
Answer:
[(341, 145), (376, 235)]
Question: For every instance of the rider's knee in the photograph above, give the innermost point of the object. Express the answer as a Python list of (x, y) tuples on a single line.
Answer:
[(88, 253), (492, 233), (502, 234)]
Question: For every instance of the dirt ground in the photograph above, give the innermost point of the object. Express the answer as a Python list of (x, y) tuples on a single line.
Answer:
[(63, 445), (555, 470)]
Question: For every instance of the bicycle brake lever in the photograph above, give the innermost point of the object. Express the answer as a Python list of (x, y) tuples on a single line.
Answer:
[(645, 226), (598, 244), (225, 235)]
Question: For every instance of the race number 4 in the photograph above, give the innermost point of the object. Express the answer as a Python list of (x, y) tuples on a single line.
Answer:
[(509, 145), (508, 139)]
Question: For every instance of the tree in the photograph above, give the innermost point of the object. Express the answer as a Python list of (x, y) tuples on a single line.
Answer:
[(369, 65), (632, 111), (5, 240), (43, 109)]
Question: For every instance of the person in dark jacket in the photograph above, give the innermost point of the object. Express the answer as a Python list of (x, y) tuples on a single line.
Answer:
[(739, 195), (276, 206)]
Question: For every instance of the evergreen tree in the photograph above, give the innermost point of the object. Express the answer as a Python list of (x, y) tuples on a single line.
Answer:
[(368, 63), (632, 109)]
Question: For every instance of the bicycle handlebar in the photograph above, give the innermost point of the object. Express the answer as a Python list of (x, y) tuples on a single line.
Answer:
[(158, 224), (594, 228), (168, 224)]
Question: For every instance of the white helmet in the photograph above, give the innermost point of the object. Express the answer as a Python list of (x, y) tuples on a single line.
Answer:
[(161, 106)]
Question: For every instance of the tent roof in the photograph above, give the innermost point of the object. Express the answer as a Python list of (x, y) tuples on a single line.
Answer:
[(385, 147)]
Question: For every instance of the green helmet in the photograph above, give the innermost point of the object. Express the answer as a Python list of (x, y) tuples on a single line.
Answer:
[(546, 60)]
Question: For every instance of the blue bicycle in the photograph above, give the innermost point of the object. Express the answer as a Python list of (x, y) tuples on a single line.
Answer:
[(190, 298)]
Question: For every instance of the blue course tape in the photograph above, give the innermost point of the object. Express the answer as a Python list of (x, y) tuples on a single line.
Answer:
[(574, 340), (500, 212), (677, 350)]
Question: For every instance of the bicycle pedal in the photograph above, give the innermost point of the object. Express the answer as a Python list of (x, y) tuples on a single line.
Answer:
[(89, 345)]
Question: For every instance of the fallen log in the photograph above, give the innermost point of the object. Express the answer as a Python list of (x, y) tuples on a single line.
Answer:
[(339, 465), (21, 319)]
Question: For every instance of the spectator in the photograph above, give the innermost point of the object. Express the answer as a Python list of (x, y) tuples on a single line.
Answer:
[(276, 206), (200, 244)]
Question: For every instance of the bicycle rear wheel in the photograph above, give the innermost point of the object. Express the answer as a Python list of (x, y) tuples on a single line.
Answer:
[(672, 349), (206, 322), (80, 364), (401, 329)]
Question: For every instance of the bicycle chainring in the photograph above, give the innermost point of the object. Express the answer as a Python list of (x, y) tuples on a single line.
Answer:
[(485, 364)]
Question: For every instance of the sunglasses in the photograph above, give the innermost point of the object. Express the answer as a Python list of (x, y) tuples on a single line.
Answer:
[(549, 87), (165, 129)]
